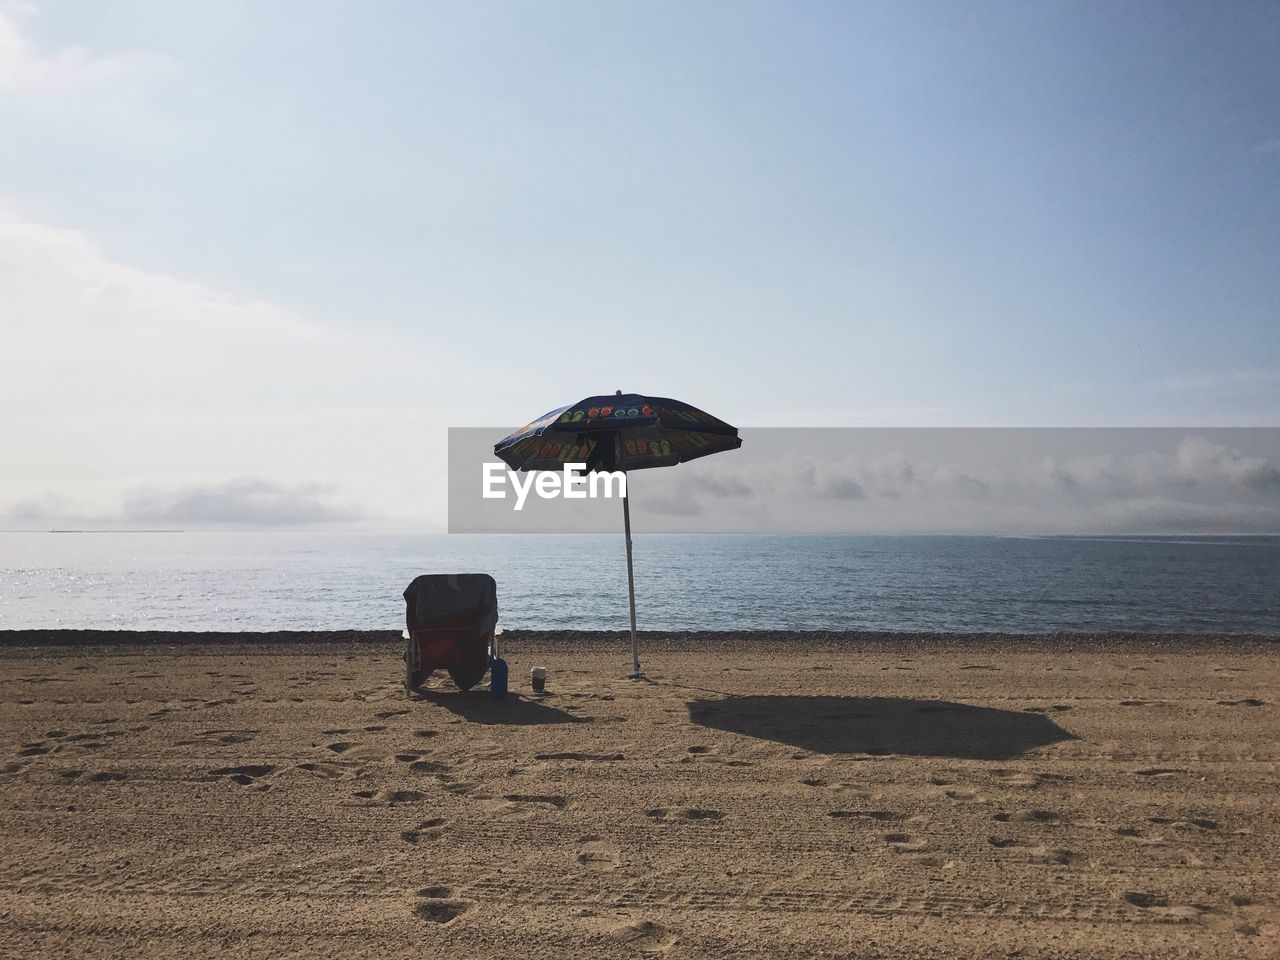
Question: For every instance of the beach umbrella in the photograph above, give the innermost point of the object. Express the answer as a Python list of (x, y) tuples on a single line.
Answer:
[(626, 432)]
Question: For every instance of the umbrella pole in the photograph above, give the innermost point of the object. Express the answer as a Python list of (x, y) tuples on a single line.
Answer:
[(635, 673)]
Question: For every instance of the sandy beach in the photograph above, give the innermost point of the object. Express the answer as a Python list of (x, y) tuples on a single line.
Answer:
[(758, 796)]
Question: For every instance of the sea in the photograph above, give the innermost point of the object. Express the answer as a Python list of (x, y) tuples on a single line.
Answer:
[(324, 581)]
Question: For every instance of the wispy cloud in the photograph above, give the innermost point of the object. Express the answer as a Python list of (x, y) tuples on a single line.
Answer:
[(26, 68), (1198, 486), (118, 374), (37, 509), (243, 502), (892, 476), (65, 284)]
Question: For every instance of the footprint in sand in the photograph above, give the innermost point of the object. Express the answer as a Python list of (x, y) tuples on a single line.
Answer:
[(399, 796), (1140, 837), (109, 776), (443, 912), (1145, 900), (244, 775), (645, 936), (593, 757), (212, 738), (425, 734), (684, 813), (1159, 773), (1246, 702), (1046, 855), (597, 854), (341, 746), (905, 843), (1000, 843), (388, 714), (427, 830)]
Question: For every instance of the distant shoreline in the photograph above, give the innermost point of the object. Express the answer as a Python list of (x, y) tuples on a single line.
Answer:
[(117, 531), (56, 530)]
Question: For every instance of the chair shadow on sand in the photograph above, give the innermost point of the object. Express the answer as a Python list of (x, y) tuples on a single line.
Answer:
[(475, 706), (882, 726)]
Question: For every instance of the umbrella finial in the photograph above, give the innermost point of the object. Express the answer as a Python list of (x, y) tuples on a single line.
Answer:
[(617, 393)]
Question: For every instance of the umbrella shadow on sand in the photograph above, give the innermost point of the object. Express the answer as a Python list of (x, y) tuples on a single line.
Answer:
[(882, 726), (476, 707)]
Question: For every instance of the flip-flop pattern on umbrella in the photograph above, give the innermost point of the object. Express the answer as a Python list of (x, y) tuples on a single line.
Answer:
[(619, 432)]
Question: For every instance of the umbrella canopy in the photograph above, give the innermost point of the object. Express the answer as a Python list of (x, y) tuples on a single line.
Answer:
[(625, 431)]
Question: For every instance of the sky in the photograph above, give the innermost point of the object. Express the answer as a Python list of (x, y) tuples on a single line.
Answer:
[(256, 259)]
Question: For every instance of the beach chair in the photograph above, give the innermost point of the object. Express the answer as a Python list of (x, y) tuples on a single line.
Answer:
[(450, 622)]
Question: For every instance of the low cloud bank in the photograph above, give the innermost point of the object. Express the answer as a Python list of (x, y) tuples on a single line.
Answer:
[(1200, 487), (247, 502), (244, 502)]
